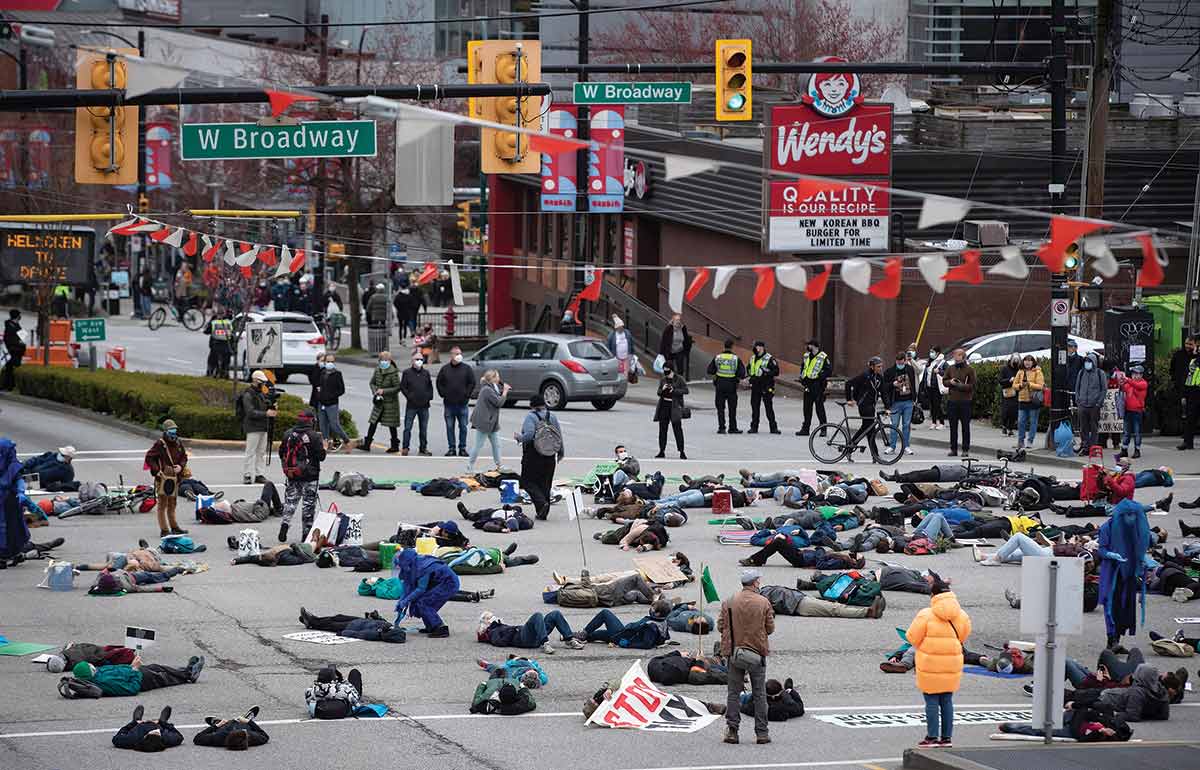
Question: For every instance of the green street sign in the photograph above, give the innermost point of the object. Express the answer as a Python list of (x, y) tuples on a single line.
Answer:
[(314, 139), (633, 93), (89, 330)]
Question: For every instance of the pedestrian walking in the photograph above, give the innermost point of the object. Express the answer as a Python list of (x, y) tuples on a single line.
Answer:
[(314, 379), (959, 379), (486, 417), (256, 409), (1029, 385), (331, 386), (541, 448), (727, 370), (675, 346), (745, 622), (14, 344), (1008, 395), (417, 387), (300, 454), (763, 369), (938, 633), (1186, 374), (167, 462), (670, 410), (899, 395), (814, 374), (1134, 389), (455, 384), (376, 309), (1091, 388), (933, 390), (145, 290), (385, 392), (620, 344)]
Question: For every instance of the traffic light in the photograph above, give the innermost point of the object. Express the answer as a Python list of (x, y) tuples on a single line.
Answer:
[(1071, 257), (106, 139), (337, 251), (735, 81), (143, 204), (509, 62), (464, 215)]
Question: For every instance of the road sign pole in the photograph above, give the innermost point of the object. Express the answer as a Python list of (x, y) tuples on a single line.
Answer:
[(1051, 708), (92, 356)]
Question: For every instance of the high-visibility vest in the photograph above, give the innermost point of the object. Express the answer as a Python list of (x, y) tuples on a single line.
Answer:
[(814, 365), (727, 365), (222, 329), (1193, 379), (62, 290), (758, 364)]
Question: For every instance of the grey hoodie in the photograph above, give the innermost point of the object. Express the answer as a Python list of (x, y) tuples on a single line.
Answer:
[(1091, 387), (1145, 698)]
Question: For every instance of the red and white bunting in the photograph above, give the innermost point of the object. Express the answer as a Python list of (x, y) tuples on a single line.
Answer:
[(1103, 261), (793, 277), (190, 245), (1063, 232), (856, 273), (248, 256), (721, 278), (969, 271), (675, 279), (1012, 264), (267, 256), (230, 255), (697, 284), (888, 287), (120, 229), (297, 262), (210, 248), (765, 286), (818, 283), (933, 269), (1152, 272), (936, 210)]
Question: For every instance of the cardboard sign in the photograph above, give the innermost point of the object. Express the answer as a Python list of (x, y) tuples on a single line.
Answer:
[(1109, 421), (658, 568), (640, 705), (917, 718), (319, 637)]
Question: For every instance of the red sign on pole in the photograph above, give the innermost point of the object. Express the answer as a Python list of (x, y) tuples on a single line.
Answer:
[(158, 155), (801, 140), (558, 168), (606, 164)]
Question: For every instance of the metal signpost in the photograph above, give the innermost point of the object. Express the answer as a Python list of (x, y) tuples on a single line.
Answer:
[(90, 330), (1051, 607), (311, 139)]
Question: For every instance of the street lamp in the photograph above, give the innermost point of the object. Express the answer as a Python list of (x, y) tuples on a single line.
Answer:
[(124, 40)]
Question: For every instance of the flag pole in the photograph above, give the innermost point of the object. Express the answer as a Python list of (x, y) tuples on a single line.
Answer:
[(578, 510)]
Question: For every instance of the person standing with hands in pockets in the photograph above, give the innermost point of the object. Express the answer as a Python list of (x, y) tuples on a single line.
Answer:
[(167, 462), (745, 622), (960, 379), (938, 633)]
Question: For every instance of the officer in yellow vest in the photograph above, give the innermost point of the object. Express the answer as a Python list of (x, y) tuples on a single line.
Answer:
[(763, 370), (727, 370), (60, 301), (814, 374), (1191, 395), (220, 331)]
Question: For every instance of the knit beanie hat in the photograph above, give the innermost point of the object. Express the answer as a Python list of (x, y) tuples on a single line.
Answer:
[(83, 670)]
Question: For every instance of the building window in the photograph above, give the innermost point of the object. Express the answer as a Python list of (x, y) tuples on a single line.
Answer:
[(450, 42)]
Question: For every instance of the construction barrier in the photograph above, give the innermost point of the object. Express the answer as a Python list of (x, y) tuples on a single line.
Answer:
[(60, 347), (114, 358)]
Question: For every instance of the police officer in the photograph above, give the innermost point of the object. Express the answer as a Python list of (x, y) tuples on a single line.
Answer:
[(727, 370), (763, 370), (813, 376), (220, 335), (1190, 388)]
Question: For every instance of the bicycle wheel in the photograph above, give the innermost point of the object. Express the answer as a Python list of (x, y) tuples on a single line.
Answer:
[(887, 434), (833, 446), (157, 319), (193, 319)]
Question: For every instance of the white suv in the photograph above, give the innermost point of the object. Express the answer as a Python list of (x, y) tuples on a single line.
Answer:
[(999, 346)]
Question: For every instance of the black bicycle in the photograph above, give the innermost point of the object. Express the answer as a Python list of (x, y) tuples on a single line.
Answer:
[(111, 502), (832, 442)]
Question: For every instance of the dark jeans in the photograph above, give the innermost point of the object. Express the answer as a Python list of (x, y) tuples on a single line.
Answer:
[(1191, 415), (334, 623), (867, 429), (1008, 413), (537, 474), (536, 630), (1119, 669), (959, 413), (733, 700), (779, 545), (155, 676), (766, 399), (814, 398), (1089, 426), (456, 415), (937, 415), (939, 715), (985, 529), (923, 476), (421, 415), (611, 625), (677, 427), (726, 400)]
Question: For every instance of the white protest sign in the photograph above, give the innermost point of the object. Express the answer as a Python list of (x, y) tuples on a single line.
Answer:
[(319, 637), (640, 705)]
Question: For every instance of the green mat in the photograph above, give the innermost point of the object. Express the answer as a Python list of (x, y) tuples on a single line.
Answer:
[(24, 648)]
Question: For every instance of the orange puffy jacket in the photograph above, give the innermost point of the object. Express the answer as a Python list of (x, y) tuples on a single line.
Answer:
[(938, 633)]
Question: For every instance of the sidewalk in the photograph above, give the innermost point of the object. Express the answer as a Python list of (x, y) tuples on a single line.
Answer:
[(1021, 756)]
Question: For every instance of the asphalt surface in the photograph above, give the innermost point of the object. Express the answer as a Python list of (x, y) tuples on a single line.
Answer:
[(237, 616)]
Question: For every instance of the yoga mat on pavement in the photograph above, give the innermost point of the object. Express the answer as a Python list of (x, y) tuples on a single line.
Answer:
[(24, 648)]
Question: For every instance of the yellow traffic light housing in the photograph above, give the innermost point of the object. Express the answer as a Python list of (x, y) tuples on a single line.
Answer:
[(464, 215), (143, 204), (508, 62), (337, 251), (735, 81), (106, 138)]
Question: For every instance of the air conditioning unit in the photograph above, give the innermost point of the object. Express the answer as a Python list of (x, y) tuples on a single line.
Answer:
[(985, 232)]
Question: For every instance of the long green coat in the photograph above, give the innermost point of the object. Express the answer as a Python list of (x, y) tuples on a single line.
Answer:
[(387, 411)]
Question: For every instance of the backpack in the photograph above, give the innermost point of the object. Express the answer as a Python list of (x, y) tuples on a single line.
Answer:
[(180, 544), (91, 490), (71, 688), (351, 484), (334, 698), (547, 437), (294, 454)]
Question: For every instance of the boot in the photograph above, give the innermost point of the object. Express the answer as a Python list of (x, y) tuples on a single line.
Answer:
[(731, 735), (1189, 531), (364, 445), (517, 561), (1164, 504), (1193, 504), (283, 530)]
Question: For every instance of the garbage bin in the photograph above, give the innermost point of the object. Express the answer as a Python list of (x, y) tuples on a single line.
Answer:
[(377, 339), (1167, 310)]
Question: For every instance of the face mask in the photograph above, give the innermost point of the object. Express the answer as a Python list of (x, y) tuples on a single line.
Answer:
[(384, 364), (457, 358), (329, 366), (932, 354), (59, 457), (172, 433), (622, 454), (418, 364), (1088, 365)]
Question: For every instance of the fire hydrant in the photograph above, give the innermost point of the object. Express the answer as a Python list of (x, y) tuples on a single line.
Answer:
[(449, 316)]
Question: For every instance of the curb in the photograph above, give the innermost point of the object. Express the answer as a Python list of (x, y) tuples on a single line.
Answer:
[(935, 759), (1034, 457)]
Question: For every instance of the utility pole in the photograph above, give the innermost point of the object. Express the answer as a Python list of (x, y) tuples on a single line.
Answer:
[(582, 241), (1060, 397), (135, 268), (1099, 84), (322, 165)]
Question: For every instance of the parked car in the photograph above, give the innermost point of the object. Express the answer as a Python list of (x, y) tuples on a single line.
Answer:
[(302, 341), (562, 368), (999, 346)]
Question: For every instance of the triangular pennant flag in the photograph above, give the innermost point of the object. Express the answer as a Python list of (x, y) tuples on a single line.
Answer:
[(248, 256), (698, 281), (456, 290), (142, 76), (1103, 261), (888, 287), (161, 235), (247, 271), (122, 227), (230, 255), (675, 289), (710, 589), (281, 100), (285, 262), (793, 277), (553, 144), (175, 239), (297, 261), (856, 273), (721, 279), (936, 210), (969, 271), (210, 248), (679, 166), (1151, 272), (591, 292), (816, 287), (764, 287), (1011, 264), (1063, 232), (267, 256), (145, 226), (573, 308), (933, 269), (189, 246), (428, 273)]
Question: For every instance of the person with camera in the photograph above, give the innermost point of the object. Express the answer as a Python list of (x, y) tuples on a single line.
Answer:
[(256, 410), (670, 410), (300, 453), (167, 461), (745, 622)]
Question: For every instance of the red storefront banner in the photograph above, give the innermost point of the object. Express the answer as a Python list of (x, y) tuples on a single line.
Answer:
[(606, 164), (803, 141), (558, 168), (38, 157)]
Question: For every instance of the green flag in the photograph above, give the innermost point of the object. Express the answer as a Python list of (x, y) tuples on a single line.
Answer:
[(710, 590)]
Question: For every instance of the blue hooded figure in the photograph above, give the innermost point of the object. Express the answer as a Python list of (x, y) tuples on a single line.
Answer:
[(14, 535), (1124, 540), (428, 584)]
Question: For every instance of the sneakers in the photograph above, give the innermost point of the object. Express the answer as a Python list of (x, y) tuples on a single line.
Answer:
[(547, 649), (283, 529), (877, 607), (1182, 595), (194, 667), (908, 450), (441, 632), (929, 743), (260, 479), (575, 644), (891, 667), (761, 739), (1014, 600), (744, 473), (945, 743), (990, 561), (1028, 688)]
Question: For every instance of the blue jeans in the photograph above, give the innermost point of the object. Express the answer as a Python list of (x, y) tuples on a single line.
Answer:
[(455, 415), (933, 526), (536, 630), (620, 479), (939, 705), (1133, 429), (1027, 422), (1018, 547), (480, 437), (145, 304), (787, 494), (612, 626), (1076, 673), (693, 498), (328, 422), (422, 417), (902, 420)]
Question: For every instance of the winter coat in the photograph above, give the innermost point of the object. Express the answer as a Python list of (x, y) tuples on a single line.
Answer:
[(668, 336), (1027, 381), (486, 417), (1091, 387), (50, 469), (670, 404), (254, 411), (387, 409), (864, 391), (787, 705), (746, 620), (163, 454), (417, 387), (118, 680), (960, 380), (938, 632), (372, 630), (611, 342), (1145, 698), (1126, 532), (330, 387), (377, 309), (315, 451), (456, 383), (1007, 372), (1135, 394), (894, 388)]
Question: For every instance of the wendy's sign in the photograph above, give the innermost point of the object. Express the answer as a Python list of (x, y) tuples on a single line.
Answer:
[(802, 140)]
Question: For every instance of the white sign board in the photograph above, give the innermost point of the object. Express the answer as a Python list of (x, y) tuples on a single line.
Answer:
[(139, 638), (264, 344), (319, 637), (864, 719), (1035, 595), (640, 705), (827, 216), (1060, 312)]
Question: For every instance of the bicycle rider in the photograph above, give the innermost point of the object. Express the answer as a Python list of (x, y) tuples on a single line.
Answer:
[(864, 390)]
